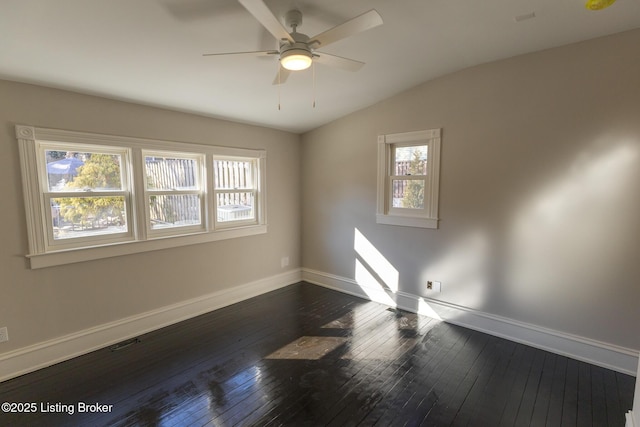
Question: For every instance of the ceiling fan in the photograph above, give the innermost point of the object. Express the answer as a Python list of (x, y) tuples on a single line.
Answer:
[(297, 51)]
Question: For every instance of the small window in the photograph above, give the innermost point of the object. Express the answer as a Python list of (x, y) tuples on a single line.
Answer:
[(408, 175), (235, 191)]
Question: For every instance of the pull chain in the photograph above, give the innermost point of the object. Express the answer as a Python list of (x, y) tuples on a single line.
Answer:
[(313, 72), (279, 84), (313, 76)]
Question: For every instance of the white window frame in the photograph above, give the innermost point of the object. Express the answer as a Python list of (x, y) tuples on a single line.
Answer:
[(140, 238), (200, 191), (254, 189), (51, 244), (386, 213)]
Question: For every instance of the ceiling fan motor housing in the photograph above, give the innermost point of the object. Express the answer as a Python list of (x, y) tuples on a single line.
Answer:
[(297, 55), (295, 49), (301, 42)]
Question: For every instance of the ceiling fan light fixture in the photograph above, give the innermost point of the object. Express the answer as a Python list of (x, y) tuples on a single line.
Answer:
[(296, 59), (598, 4)]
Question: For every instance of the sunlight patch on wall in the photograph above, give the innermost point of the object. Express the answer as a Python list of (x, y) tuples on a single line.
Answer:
[(374, 259), (370, 285), (380, 280), (587, 184), (567, 238)]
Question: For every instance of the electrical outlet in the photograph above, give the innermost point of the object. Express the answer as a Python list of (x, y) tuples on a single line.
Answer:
[(4, 334), (433, 286), (284, 262)]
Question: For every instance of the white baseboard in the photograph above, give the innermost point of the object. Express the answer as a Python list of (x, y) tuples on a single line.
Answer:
[(598, 353), (47, 353)]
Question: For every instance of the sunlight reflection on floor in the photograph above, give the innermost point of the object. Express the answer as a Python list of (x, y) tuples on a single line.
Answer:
[(308, 348)]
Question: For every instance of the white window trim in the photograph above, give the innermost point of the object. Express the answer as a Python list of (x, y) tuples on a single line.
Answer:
[(200, 159), (385, 214), (255, 189), (50, 244), (40, 255)]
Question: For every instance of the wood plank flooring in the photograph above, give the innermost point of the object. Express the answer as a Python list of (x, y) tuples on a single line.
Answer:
[(309, 356)]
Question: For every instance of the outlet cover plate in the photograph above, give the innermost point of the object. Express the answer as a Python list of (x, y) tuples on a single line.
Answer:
[(4, 334), (284, 262), (435, 287)]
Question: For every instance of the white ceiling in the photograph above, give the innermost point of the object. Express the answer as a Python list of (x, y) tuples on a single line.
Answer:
[(150, 51)]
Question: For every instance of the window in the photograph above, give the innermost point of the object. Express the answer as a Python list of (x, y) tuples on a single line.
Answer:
[(88, 192), (174, 192), (408, 178), (235, 191), (91, 196)]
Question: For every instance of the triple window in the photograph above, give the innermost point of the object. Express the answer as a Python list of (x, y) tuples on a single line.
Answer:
[(86, 191)]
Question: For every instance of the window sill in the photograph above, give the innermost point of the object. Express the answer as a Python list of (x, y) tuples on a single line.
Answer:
[(70, 256), (407, 221)]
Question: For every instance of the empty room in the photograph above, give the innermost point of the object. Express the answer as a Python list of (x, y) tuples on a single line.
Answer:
[(320, 213)]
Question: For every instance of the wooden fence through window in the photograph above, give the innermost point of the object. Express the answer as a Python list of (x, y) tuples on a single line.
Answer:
[(173, 174), (234, 177)]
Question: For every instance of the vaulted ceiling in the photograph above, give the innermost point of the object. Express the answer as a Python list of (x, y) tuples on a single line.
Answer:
[(150, 51)]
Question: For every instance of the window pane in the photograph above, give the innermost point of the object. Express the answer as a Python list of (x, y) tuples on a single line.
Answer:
[(87, 216), (174, 210), (408, 193), (410, 160), (233, 174), (77, 171), (167, 173), (235, 206)]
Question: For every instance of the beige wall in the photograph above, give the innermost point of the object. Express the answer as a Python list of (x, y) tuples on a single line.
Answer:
[(539, 194), (38, 305)]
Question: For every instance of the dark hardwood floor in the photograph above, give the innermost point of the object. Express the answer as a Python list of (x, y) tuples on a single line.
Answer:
[(309, 356)]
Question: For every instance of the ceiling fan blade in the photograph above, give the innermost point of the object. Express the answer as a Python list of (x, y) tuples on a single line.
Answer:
[(263, 14), (356, 25), (252, 53), (282, 76), (337, 61)]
